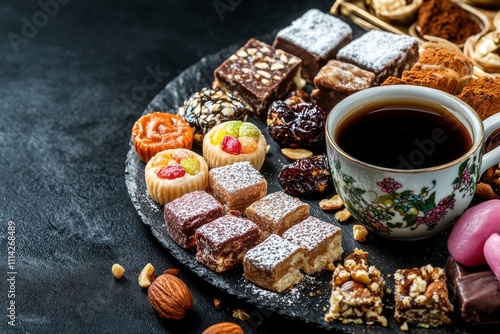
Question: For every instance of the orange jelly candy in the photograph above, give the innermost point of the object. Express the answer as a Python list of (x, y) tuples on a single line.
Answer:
[(160, 131)]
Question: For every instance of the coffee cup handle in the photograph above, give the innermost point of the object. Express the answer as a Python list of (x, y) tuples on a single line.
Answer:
[(491, 158)]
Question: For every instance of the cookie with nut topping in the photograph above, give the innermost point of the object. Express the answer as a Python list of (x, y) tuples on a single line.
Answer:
[(205, 109)]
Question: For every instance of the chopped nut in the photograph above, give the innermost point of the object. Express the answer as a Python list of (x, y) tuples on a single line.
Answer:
[(404, 327), (343, 215), (117, 270), (296, 153), (240, 314), (147, 276), (436, 287), (484, 190), (360, 233), (217, 303), (333, 203), (331, 266)]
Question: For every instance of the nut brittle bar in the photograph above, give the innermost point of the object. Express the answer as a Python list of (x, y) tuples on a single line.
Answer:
[(421, 297), (357, 292), (259, 74)]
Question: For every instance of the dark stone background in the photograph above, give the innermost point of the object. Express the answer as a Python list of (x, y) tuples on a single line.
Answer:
[(75, 75)]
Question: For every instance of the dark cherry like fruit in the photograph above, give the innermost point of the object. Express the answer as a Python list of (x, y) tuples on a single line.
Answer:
[(231, 145), (296, 124), (306, 177), (171, 172)]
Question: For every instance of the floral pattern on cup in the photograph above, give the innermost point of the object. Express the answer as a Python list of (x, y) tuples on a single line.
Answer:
[(416, 208)]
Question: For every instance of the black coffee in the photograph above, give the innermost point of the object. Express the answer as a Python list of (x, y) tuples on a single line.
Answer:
[(403, 136)]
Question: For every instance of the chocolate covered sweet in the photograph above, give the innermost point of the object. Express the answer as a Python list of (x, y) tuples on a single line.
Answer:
[(222, 243), (315, 37), (259, 74), (477, 293), (185, 214), (383, 53), (205, 109)]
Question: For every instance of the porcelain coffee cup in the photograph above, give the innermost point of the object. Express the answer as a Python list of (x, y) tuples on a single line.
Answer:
[(414, 202)]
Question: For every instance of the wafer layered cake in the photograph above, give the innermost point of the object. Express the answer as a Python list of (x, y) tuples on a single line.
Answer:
[(315, 37), (357, 292), (237, 185), (383, 53), (421, 297), (185, 214), (222, 243), (274, 264), (259, 74), (277, 212), (322, 242)]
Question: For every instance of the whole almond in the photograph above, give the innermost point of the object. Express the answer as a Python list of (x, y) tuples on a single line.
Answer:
[(224, 328), (170, 297)]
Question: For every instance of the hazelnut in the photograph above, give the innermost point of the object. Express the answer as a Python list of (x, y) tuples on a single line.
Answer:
[(147, 276), (117, 270), (170, 297)]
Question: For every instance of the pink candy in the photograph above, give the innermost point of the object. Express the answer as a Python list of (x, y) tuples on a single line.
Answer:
[(474, 239), (492, 253)]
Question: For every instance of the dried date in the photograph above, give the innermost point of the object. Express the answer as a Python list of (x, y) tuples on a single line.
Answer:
[(306, 177), (296, 124)]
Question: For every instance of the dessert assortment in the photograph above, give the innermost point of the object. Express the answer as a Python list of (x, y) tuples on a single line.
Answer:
[(216, 204)]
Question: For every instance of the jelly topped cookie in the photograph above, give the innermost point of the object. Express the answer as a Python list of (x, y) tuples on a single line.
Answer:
[(159, 131), (175, 172), (234, 141)]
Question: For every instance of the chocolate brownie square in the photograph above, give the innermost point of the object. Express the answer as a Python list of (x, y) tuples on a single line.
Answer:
[(315, 37), (259, 74), (185, 214)]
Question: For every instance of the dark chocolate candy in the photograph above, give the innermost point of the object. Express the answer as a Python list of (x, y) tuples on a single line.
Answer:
[(477, 292)]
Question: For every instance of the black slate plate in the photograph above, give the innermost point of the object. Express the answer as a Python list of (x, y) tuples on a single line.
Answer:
[(302, 302)]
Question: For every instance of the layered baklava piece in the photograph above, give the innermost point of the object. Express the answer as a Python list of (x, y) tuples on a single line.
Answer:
[(259, 74), (357, 292), (421, 297), (222, 243), (383, 53), (277, 212), (274, 264), (315, 37), (322, 242)]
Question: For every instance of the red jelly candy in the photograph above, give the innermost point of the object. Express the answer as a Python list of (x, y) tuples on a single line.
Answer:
[(231, 145), (171, 172)]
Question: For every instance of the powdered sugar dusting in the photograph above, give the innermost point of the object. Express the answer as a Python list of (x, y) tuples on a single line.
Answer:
[(310, 232), (272, 251), (192, 205), (276, 206), (226, 228), (236, 177), (317, 32), (376, 49)]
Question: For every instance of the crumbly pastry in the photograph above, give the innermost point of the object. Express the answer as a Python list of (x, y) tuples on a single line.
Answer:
[(237, 185), (322, 242), (315, 37), (209, 107), (259, 74), (274, 264), (483, 95), (175, 172), (222, 243), (277, 212), (234, 141), (438, 68), (383, 53), (337, 80), (187, 213), (158, 131), (421, 297), (357, 292)]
